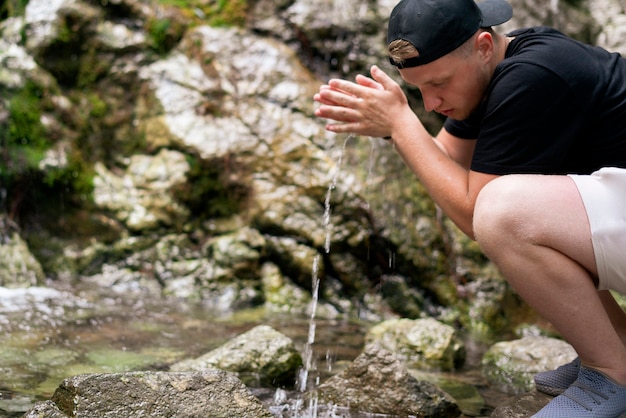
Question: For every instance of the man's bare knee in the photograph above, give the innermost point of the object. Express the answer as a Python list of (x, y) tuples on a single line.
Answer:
[(496, 214)]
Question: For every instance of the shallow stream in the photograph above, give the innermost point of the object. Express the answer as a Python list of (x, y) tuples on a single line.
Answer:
[(49, 334)]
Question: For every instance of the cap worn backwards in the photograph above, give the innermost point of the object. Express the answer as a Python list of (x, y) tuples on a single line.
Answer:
[(437, 27)]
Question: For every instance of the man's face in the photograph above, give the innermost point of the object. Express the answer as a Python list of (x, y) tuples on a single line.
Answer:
[(452, 85)]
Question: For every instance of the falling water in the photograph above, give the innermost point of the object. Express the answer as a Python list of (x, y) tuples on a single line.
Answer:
[(303, 375), (327, 209)]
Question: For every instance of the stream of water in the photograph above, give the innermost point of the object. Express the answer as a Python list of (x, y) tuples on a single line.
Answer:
[(49, 334), (303, 383)]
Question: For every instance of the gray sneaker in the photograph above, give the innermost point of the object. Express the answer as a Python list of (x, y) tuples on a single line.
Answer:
[(592, 395), (555, 382)]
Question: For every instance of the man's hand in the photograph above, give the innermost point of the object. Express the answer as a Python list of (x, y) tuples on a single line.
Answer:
[(371, 106)]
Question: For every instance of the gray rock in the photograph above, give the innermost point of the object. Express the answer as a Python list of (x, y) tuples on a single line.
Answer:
[(511, 365), (260, 357), (377, 382), (421, 343), (46, 409), (44, 21), (141, 198), (281, 294), (18, 266), (212, 393)]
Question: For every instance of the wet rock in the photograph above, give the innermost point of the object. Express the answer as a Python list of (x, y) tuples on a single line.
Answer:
[(464, 388), (378, 382), (421, 343), (212, 393), (511, 365), (296, 259), (347, 32), (260, 357)]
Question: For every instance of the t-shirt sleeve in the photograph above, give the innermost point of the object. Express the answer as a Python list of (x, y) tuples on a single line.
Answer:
[(527, 124)]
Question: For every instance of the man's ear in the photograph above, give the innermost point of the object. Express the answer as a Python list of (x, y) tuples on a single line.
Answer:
[(485, 43)]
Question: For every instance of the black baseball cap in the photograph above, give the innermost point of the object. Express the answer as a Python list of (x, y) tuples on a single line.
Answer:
[(438, 27)]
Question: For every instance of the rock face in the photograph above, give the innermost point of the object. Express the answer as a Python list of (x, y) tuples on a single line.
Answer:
[(175, 128), (211, 393), (377, 382)]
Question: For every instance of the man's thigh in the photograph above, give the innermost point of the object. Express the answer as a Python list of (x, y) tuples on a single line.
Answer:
[(546, 210)]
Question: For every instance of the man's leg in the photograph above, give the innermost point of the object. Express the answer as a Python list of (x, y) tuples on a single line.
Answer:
[(535, 229), (616, 313)]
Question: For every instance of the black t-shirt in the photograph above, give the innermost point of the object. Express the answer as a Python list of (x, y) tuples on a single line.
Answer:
[(554, 106)]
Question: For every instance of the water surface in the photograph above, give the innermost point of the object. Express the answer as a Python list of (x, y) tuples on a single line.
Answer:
[(48, 335)]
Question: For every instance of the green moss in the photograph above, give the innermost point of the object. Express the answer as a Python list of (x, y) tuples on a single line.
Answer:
[(158, 31), (112, 360), (23, 141), (92, 67), (213, 12), (12, 8), (228, 13)]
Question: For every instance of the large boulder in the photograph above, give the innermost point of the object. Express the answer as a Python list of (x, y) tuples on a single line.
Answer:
[(211, 393), (378, 382)]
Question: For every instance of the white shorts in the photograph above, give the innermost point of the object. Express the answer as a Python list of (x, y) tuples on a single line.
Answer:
[(604, 196)]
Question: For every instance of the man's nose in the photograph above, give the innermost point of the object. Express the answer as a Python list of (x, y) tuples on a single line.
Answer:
[(431, 102)]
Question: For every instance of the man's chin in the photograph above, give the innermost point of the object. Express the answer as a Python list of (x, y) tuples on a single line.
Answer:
[(456, 114)]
